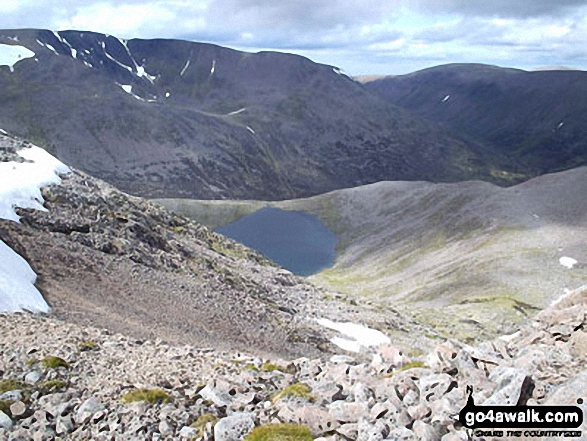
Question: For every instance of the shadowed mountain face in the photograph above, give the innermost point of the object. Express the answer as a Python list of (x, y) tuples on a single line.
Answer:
[(167, 118), (535, 118)]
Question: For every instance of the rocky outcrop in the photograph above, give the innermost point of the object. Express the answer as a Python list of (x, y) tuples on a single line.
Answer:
[(199, 393)]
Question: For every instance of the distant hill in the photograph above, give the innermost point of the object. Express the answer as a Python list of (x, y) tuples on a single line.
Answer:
[(169, 118), (468, 258), (537, 119)]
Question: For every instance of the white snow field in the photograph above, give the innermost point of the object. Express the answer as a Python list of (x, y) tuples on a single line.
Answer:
[(359, 336), (12, 54), (568, 262), (20, 186)]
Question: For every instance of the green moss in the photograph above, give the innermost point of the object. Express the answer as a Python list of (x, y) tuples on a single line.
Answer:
[(151, 396), (228, 249), (200, 423), (270, 367), (299, 390), (5, 407), (52, 385), (411, 365), (10, 384), (280, 432), (250, 367), (32, 361), (88, 345), (53, 362)]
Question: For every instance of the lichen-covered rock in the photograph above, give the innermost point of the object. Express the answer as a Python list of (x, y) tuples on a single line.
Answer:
[(5, 421), (234, 427), (87, 409), (514, 387)]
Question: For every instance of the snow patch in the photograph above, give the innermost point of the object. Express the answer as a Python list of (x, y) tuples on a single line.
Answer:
[(128, 89), (142, 73), (17, 284), (561, 124), (250, 130), (236, 112), (167, 94), (358, 336), (10, 55), (47, 46), (65, 43), (510, 337), (187, 64), (339, 71), (445, 99), (568, 262), (110, 57), (20, 186), (213, 67)]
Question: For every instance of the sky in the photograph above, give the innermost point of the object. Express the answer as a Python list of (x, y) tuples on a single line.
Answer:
[(362, 37)]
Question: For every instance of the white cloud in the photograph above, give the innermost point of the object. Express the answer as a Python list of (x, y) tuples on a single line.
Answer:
[(360, 36), (125, 20), (9, 6)]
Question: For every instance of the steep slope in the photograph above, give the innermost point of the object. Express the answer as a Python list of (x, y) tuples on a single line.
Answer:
[(168, 118), (535, 118), (107, 259), (472, 259)]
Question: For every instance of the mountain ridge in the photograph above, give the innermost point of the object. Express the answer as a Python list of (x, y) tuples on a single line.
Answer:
[(535, 118), (168, 118)]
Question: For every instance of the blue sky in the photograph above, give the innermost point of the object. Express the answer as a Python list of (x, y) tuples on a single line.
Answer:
[(359, 36)]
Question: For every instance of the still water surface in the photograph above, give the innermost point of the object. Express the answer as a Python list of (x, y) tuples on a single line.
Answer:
[(297, 241)]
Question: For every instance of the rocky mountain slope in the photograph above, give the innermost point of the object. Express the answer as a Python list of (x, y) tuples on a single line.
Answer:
[(166, 118), (486, 257), (107, 259), (58, 381), (536, 119)]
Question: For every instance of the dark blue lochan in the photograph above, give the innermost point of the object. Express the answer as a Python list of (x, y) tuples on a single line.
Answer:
[(297, 241)]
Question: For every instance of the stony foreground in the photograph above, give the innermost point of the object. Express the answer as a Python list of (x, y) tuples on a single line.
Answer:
[(205, 394)]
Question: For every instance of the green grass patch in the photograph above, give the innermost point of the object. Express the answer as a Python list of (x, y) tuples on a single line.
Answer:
[(411, 365), (151, 396), (200, 423), (52, 385), (53, 362), (298, 390), (270, 367), (280, 432), (5, 407), (88, 345), (10, 384)]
